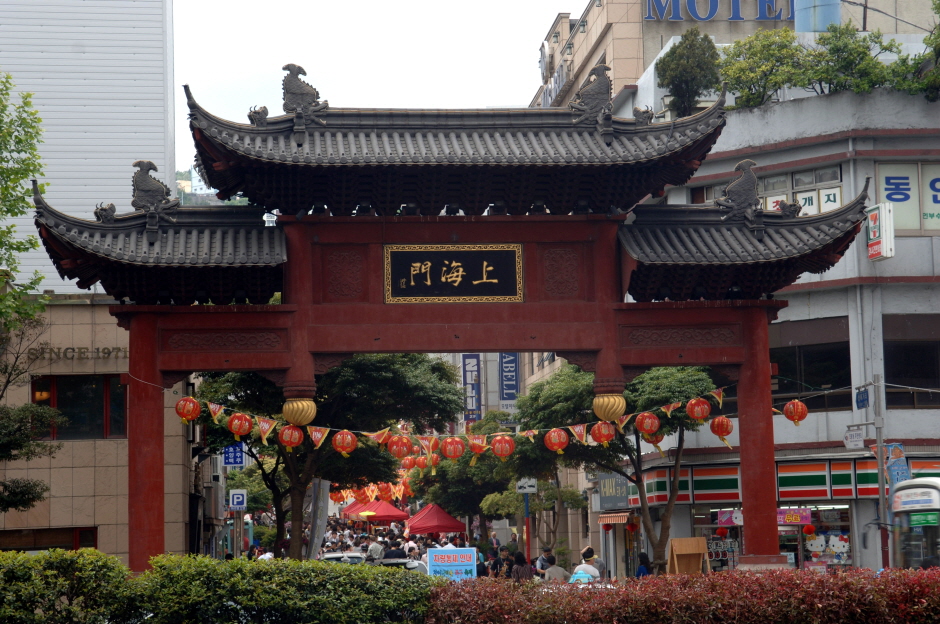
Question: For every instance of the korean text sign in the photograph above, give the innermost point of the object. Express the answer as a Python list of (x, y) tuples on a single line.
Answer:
[(455, 564)]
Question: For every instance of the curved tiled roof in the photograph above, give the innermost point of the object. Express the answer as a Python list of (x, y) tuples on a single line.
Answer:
[(690, 252)]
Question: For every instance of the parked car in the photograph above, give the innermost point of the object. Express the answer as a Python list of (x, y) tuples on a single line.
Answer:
[(346, 557), (408, 564)]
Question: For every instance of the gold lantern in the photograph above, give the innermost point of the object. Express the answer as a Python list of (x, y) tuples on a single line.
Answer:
[(299, 412), (609, 407)]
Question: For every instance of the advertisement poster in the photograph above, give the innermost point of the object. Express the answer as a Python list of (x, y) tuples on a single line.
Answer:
[(470, 370), (455, 564)]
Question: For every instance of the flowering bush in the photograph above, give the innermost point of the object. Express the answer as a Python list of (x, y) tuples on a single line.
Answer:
[(782, 596)]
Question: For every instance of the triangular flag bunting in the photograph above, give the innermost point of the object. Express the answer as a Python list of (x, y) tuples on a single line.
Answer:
[(775, 410), (477, 445), (425, 442), (579, 432), (215, 410), (529, 433), (668, 408), (317, 435), (718, 394), (372, 490), (379, 437), (265, 426), (623, 420)]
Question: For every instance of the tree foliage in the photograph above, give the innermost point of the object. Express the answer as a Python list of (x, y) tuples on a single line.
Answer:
[(757, 67), (566, 398), (689, 70), (545, 507), (843, 59), (20, 135), (364, 393), (22, 430)]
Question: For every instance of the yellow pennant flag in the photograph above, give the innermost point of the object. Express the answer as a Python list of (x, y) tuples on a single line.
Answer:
[(529, 433), (719, 394), (317, 435), (623, 420), (379, 437), (215, 410), (426, 442), (265, 426), (579, 432), (668, 408)]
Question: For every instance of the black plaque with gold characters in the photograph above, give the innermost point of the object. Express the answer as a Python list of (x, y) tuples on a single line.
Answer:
[(453, 273)]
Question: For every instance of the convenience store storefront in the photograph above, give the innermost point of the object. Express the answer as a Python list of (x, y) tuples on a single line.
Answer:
[(824, 507)]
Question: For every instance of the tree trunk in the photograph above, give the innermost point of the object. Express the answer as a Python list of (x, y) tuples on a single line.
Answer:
[(278, 503), (297, 496)]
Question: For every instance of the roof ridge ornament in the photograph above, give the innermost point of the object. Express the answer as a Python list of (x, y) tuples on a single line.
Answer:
[(741, 199), (300, 97), (152, 197), (594, 96)]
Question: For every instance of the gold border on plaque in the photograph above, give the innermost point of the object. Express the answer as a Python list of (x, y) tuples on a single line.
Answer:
[(386, 255)]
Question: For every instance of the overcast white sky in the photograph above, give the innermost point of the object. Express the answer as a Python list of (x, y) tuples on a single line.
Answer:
[(358, 53)]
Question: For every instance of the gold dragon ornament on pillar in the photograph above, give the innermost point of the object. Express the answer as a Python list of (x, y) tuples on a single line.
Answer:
[(609, 407), (299, 412)]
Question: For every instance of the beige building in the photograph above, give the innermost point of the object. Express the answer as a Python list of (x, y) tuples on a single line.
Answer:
[(80, 367), (627, 35)]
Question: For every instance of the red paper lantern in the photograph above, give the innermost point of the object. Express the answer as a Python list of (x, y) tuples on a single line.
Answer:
[(435, 444), (721, 426), (399, 446), (290, 436), (607, 528), (415, 450), (452, 448), (556, 440), (721, 532), (603, 432), (408, 462), (337, 497), (345, 442), (188, 409), (795, 411), (422, 462), (632, 527), (654, 439), (434, 462), (503, 446), (239, 424), (362, 497), (809, 529), (698, 408), (647, 423)]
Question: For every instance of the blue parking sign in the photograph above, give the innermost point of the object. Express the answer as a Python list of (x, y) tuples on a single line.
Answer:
[(238, 500), (234, 455)]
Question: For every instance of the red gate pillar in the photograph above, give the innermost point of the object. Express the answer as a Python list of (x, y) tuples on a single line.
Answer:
[(756, 429), (145, 416)]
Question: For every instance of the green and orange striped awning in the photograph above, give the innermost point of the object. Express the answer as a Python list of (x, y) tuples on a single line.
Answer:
[(803, 481)]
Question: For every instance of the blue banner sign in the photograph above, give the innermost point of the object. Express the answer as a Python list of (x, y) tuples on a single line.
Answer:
[(671, 10), (470, 370), (233, 455), (456, 564), (508, 381)]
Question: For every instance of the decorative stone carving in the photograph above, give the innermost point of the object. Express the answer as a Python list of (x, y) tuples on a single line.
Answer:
[(562, 273), (643, 117), (225, 340), (593, 98), (682, 337), (104, 214), (300, 97), (740, 197), (258, 116), (345, 275), (153, 197), (322, 362), (585, 360)]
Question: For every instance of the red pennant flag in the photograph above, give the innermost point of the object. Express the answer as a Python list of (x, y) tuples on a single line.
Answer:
[(317, 435), (668, 408), (379, 437), (775, 410), (265, 426), (529, 433), (426, 442), (215, 410), (579, 432), (718, 394), (623, 420), (477, 445)]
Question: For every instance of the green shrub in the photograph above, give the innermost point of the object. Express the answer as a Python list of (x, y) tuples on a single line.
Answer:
[(265, 536), (179, 590), (62, 586)]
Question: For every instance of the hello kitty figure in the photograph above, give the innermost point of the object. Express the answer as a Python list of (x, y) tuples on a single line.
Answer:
[(839, 547), (816, 545), (737, 516)]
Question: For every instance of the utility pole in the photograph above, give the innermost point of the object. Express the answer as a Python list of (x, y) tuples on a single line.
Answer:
[(882, 499)]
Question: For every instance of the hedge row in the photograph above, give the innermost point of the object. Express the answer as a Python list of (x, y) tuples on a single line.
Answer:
[(784, 597), (89, 587)]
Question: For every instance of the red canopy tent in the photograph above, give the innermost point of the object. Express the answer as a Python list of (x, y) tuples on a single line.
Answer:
[(433, 519), (384, 512), (352, 509)]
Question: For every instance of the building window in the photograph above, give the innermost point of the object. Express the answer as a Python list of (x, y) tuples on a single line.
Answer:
[(914, 189), (806, 372), (95, 405), (37, 540), (916, 364)]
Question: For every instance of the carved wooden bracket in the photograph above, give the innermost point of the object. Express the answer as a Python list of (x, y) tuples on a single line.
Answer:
[(323, 362), (277, 377), (610, 385), (586, 360), (171, 378)]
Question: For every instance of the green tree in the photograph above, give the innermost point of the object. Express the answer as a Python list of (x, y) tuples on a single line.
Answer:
[(843, 59), (689, 70), (22, 430), (545, 507), (757, 67), (566, 399), (364, 393), (460, 488), (260, 497)]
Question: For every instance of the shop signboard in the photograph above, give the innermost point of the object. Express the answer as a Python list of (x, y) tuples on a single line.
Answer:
[(613, 490), (234, 455), (672, 10), (470, 369), (880, 232), (508, 381), (928, 518), (455, 564), (916, 498)]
